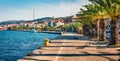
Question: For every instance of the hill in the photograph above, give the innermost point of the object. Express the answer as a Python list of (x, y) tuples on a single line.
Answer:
[(20, 21)]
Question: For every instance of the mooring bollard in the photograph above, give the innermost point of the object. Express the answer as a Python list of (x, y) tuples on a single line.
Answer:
[(39, 47), (28, 54), (46, 42), (62, 33), (118, 53)]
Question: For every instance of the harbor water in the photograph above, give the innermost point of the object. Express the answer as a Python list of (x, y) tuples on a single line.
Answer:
[(15, 44)]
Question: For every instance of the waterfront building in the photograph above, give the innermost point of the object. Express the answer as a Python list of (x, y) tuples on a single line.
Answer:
[(40, 25), (29, 24), (50, 23), (2, 28), (10, 26), (58, 23), (74, 18)]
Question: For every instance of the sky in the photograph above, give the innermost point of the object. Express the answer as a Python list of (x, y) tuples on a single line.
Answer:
[(23, 9)]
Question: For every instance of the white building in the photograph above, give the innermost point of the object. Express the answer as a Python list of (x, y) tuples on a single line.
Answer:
[(29, 24), (59, 23)]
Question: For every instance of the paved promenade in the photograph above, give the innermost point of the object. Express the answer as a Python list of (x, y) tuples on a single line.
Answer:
[(74, 49)]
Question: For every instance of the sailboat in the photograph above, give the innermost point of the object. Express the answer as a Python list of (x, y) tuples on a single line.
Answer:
[(33, 30)]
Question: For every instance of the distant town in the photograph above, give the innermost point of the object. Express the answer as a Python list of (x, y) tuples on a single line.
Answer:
[(45, 25)]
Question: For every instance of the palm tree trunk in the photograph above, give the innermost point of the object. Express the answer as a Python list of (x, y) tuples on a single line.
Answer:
[(83, 28), (102, 29), (86, 30), (114, 33), (94, 29)]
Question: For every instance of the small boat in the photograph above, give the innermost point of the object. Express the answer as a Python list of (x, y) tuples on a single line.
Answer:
[(33, 31)]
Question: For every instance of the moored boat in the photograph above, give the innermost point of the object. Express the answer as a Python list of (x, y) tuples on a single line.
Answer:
[(33, 31)]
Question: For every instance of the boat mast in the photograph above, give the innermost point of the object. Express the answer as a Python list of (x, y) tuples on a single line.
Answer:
[(33, 14)]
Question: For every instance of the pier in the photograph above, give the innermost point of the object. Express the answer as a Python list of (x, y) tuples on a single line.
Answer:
[(72, 47)]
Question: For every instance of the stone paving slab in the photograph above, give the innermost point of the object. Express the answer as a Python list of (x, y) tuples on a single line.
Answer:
[(72, 50), (82, 58)]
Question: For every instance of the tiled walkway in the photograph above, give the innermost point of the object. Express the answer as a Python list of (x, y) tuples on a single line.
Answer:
[(72, 50)]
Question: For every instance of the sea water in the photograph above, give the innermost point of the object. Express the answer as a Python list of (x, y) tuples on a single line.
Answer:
[(16, 44)]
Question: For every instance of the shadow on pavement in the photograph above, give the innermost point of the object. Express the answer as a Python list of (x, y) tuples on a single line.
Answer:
[(34, 59), (105, 54), (71, 38)]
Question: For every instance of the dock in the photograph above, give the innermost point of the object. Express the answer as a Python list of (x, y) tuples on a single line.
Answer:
[(50, 32), (72, 47)]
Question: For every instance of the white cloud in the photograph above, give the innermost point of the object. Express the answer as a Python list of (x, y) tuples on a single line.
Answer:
[(41, 10)]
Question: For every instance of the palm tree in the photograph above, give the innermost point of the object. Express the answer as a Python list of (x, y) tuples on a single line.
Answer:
[(112, 7), (93, 14), (85, 21), (96, 14), (102, 15)]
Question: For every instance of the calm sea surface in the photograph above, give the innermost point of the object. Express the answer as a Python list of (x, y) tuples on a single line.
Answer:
[(15, 44)]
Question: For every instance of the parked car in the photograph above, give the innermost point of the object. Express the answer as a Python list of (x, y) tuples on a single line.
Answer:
[(108, 35)]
